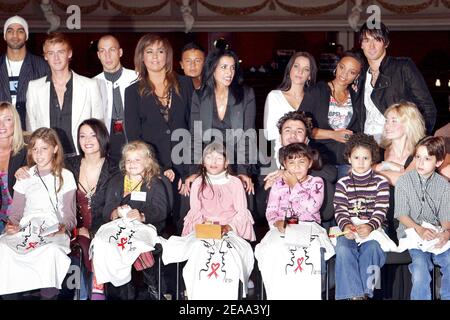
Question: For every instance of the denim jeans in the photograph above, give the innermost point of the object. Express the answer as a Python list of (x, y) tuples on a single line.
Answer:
[(357, 267), (420, 268)]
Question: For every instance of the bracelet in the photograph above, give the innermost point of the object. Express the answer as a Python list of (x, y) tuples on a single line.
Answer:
[(385, 166)]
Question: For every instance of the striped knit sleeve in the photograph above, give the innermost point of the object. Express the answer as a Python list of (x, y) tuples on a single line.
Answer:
[(341, 205), (381, 204)]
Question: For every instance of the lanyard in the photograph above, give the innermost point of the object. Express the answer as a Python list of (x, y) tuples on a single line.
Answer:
[(55, 207)]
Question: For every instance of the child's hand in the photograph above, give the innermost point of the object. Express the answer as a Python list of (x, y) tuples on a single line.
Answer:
[(443, 239), (170, 174), (134, 214), (225, 229), (425, 233), (12, 228), (289, 178), (364, 230), (279, 224), (114, 214), (349, 232), (271, 178), (22, 173)]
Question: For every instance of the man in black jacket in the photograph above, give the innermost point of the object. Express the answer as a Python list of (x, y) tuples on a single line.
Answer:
[(387, 80), (18, 66)]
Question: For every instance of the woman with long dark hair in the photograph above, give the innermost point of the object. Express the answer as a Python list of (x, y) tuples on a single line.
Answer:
[(158, 103), (334, 107), (300, 74), (223, 103)]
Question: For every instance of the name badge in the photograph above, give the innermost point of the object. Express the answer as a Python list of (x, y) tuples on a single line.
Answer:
[(138, 196)]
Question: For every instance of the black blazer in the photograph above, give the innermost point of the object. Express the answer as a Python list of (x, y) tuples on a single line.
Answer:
[(399, 80), (143, 121), (156, 206), (242, 117), (15, 163), (33, 67), (316, 103), (98, 201)]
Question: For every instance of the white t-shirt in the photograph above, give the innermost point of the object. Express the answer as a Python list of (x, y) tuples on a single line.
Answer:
[(13, 68), (275, 107)]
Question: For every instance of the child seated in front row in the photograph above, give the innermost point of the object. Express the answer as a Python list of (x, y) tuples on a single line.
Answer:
[(136, 205), (34, 248), (422, 195), (215, 267), (293, 270), (362, 194)]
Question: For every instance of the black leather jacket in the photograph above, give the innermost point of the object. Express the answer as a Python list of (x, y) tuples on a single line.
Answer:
[(399, 80)]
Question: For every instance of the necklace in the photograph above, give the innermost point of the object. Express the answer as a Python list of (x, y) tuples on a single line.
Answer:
[(334, 95), (90, 191), (129, 185), (358, 206)]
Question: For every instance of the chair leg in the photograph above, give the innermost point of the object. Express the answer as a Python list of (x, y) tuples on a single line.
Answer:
[(159, 277), (177, 289), (80, 265), (327, 280)]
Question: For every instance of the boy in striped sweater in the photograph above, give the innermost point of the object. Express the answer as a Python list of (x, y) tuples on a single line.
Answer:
[(362, 194)]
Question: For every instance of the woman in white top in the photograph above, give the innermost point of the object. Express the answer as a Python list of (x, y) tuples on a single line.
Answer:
[(300, 73)]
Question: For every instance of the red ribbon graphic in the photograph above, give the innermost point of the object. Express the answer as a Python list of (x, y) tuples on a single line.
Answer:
[(123, 242), (32, 245), (214, 267), (299, 265)]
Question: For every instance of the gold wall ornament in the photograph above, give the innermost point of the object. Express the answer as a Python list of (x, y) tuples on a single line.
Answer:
[(405, 9), (123, 9), (83, 9), (13, 8), (234, 11), (310, 11), (446, 3), (138, 10)]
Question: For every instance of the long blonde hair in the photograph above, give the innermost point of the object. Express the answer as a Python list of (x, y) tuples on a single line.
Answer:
[(152, 170), (17, 142), (50, 137), (146, 87), (412, 120)]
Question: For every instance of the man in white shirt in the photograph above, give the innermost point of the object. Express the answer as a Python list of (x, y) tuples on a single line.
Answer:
[(18, 66), (112, 83), (387, 80)]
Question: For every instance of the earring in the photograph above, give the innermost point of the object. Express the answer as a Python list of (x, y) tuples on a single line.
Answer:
[(334, 72), (307, 83), (355, 82)]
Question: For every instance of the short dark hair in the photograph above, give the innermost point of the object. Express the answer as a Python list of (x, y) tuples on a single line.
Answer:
[(435, 146), (364, 141), (355, 55), (296, 116), (287, 82), (379, 34), (300, 150), (101, 133), (192, 46)]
